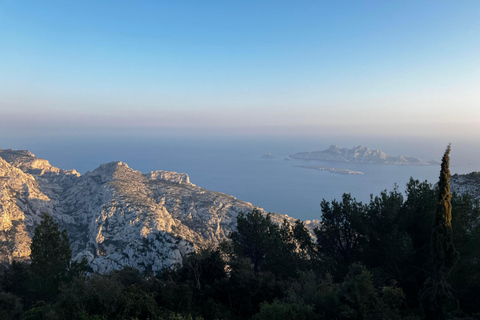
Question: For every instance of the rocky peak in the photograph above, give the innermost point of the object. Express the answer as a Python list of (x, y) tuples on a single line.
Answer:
[(169, 176), (111, 171), (115, 216), (11, 155), (27, 162)]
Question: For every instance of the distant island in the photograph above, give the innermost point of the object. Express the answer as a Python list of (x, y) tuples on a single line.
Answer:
[(360, 154), (333, 170), (268, 155)]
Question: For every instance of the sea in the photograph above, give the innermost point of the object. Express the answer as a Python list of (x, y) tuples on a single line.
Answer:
[(235, 166)]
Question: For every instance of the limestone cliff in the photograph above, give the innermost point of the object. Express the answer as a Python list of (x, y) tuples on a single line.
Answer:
[(115, 216)]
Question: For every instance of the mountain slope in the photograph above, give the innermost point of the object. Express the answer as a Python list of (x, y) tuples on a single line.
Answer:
[(467, 183), (114, 215)]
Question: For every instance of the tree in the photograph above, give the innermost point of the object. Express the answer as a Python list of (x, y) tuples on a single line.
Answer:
[(286, 311), (50, 255), (255, 238), (436, 296), (270, 247), (339, 235), (388, 245), (416, 220), (203, 268), (465, 277)]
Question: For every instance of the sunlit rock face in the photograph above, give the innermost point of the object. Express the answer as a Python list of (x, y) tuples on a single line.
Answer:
[(466, 184), (115, 216)]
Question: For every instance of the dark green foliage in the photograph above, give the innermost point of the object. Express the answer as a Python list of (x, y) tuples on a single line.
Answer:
[(357, 294), (123, 294), (10, 306), (50, 255), (50, 250), (387, 245), (465, 277), (205, 277), (248, 289), (204, 268), (360, 299), (255, 238), (369, 261), (285, 311), (355, 297), (305, 244), (444, 255), (50, 267), (340, 234), (319, 292), (18, 281), (281, 250), (436, 296), (416, 219)]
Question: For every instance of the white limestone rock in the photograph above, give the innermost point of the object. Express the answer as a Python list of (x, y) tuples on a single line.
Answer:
[(173, 177), (115, 216)]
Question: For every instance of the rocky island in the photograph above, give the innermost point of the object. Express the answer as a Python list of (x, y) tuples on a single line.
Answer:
[(268, 155), (333, 170), (360, 154)]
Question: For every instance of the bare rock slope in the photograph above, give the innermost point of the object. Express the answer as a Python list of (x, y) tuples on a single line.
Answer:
[(115, 216), (467, 184)]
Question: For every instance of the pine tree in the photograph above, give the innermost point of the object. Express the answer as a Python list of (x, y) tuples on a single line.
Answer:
[(436, 296), (50, 255), (255, 237)]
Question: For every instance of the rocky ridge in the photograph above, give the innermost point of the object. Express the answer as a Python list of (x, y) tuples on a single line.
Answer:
[(466, 184), (115, 216), (360, 154)]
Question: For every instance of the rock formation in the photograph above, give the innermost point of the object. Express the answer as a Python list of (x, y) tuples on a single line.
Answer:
[(466, 183), (115, 216), (359, 154)]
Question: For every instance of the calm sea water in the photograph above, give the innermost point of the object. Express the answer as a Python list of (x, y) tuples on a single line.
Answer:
[(235, 166)]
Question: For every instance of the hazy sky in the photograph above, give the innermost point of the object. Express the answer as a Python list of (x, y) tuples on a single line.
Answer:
[(300, 67)]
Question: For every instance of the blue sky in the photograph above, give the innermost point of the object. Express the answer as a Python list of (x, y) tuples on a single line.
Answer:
[(242, 67)]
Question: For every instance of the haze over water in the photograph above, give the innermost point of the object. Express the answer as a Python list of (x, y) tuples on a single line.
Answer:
[(206, 88), (234, 165)]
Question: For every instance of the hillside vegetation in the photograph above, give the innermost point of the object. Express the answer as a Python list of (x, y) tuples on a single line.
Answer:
[(399, 256)]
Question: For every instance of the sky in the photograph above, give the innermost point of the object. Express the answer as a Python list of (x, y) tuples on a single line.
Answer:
[(302, 68)]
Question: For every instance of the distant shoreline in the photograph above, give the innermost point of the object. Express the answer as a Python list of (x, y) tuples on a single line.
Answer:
[(333, 170), (360, 154)]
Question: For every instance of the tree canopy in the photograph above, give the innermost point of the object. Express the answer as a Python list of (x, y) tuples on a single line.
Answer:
[(399, 256)]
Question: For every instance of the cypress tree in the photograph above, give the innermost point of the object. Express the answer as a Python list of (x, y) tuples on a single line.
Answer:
[(436, 296)]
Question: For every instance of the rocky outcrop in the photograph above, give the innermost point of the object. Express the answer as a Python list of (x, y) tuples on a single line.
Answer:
[(466, 184), (169, 176), (359, 154), (115, 216)]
